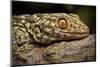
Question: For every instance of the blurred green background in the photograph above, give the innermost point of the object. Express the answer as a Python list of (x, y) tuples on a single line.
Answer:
[(87, 13)]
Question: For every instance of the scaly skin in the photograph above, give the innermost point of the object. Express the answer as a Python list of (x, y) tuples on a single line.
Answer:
[(45, 29)]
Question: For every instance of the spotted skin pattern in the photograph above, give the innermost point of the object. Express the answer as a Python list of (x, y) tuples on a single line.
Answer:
[(45, 29)]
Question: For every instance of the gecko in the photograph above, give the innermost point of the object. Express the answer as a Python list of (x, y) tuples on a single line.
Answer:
[(45, 29)]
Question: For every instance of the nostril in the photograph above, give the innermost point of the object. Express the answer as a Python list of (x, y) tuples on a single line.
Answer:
[(86, 29)]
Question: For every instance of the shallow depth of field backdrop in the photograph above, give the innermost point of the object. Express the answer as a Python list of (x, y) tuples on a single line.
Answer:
[(87, 13)]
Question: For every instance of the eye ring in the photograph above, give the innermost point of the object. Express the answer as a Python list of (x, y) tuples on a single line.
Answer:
[(62, 23)]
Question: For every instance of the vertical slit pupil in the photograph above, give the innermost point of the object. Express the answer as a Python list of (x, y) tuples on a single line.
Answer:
[(62, 23)]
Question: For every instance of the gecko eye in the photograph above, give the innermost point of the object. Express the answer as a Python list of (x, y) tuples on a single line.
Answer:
[(62, 23)]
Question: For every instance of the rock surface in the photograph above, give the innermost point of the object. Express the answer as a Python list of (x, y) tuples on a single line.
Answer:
[(65, 51)]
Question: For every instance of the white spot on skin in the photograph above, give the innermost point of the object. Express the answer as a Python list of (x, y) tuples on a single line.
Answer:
[(47, 29), (52, 24), (56, 31), (38, 18), (39, 35), (23, 21), (47, 22), (26, 45), (23, 17), (44, 20), (45, 36), (35, 16), (27, 25), (53, 17), (23, 29), (22, 49)]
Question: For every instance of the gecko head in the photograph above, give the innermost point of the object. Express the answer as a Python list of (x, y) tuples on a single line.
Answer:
[(65, 26)]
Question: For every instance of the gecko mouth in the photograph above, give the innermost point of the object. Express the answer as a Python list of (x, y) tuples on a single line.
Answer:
[(68, 35), (73, 35)]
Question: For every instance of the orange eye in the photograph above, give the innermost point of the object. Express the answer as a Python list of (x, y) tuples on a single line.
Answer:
[(62, 23)]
